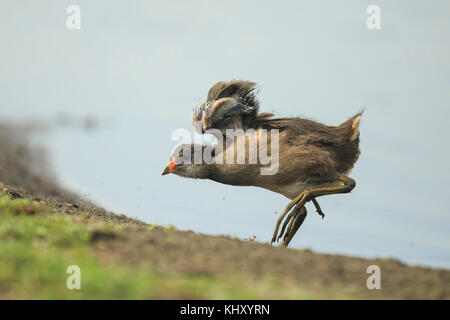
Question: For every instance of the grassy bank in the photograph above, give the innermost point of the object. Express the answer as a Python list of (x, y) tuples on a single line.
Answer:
[(122, 258)]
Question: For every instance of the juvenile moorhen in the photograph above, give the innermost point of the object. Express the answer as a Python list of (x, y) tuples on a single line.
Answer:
[(314, 159)]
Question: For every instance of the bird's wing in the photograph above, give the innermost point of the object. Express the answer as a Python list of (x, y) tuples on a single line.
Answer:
[(229, 105)]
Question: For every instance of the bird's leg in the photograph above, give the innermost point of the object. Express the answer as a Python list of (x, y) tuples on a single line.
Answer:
[(294, 226), (319, 211), (310, 194), (297, 201), (289, 219), (298, 211), (291, 223)]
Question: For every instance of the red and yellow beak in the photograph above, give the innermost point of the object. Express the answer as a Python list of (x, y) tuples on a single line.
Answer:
[(171, 168)]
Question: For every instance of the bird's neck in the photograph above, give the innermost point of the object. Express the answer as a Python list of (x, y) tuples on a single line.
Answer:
[(207, 171)]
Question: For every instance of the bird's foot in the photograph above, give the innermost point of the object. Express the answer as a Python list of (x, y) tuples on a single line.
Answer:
[(298, 202), (294, 224), (321, 214), (289, 219), (318, 209)]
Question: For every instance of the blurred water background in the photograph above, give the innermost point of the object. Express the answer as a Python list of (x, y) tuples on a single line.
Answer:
[(113, 92)]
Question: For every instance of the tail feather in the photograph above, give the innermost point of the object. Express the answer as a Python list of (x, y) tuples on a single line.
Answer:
[(349, 151), (355, 127), (350, 127)]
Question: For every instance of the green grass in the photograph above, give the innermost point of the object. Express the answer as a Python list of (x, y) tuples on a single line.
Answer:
[(37, 245)]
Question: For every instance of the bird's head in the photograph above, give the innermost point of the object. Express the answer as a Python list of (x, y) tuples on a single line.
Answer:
[(186, 161)]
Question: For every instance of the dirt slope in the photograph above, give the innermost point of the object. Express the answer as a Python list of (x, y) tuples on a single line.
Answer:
[(171, 251)]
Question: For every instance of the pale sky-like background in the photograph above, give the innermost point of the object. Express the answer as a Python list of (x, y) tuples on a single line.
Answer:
[(140, 66)]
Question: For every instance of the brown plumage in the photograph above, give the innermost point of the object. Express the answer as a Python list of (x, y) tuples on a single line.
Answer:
[(314, 159), (229, 105)]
